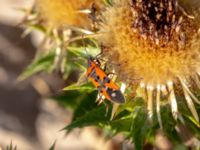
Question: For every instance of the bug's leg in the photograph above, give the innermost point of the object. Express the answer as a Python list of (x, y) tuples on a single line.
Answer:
[(105, 68), (99, 56), (101, 51), (114, 110), (100, 99), (111, 73), (107, 109), (98, 62)]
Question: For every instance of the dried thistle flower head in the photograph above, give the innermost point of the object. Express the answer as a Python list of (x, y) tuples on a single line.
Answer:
[(65, 12), (157, 42)]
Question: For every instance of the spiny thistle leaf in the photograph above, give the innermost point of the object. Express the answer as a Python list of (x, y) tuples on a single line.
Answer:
[(121, 125), (84, 51), (169, 124), (36, 27), (94, 117), (53, 146), (70, 99), (89, 113), (84, 87), (77, 51), (130, 105), (194, 128), (11, 147), (87, 104), (139, 127), (180, 147), (43, 63), (191, 118), (108, 2)]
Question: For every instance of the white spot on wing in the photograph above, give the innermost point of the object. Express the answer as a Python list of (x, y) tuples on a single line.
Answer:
[(113, 94)]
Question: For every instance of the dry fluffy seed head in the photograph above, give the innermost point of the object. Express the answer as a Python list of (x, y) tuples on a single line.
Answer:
[(153, 41), (65, 12)]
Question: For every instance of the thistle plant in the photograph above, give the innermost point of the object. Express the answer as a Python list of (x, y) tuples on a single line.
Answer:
[(156, 43), (152, 49)]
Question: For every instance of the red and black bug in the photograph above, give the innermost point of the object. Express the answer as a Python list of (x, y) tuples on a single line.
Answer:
[(103, 83)]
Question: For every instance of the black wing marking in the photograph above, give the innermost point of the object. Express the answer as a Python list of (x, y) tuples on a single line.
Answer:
[(106, 80), (116, 95)]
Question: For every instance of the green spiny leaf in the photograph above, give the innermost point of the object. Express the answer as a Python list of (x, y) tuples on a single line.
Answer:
[(85, 87), (37, 27), (87, 104), (70, 99), (108, 2), (11, 147), (43, 63), (169, 124), (121, 125), (139, 127), (53, 146), (130, 105), (94, 117), (84, 51), (180, 147)]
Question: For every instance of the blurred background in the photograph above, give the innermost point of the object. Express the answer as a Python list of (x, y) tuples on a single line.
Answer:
[(27, 118)]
